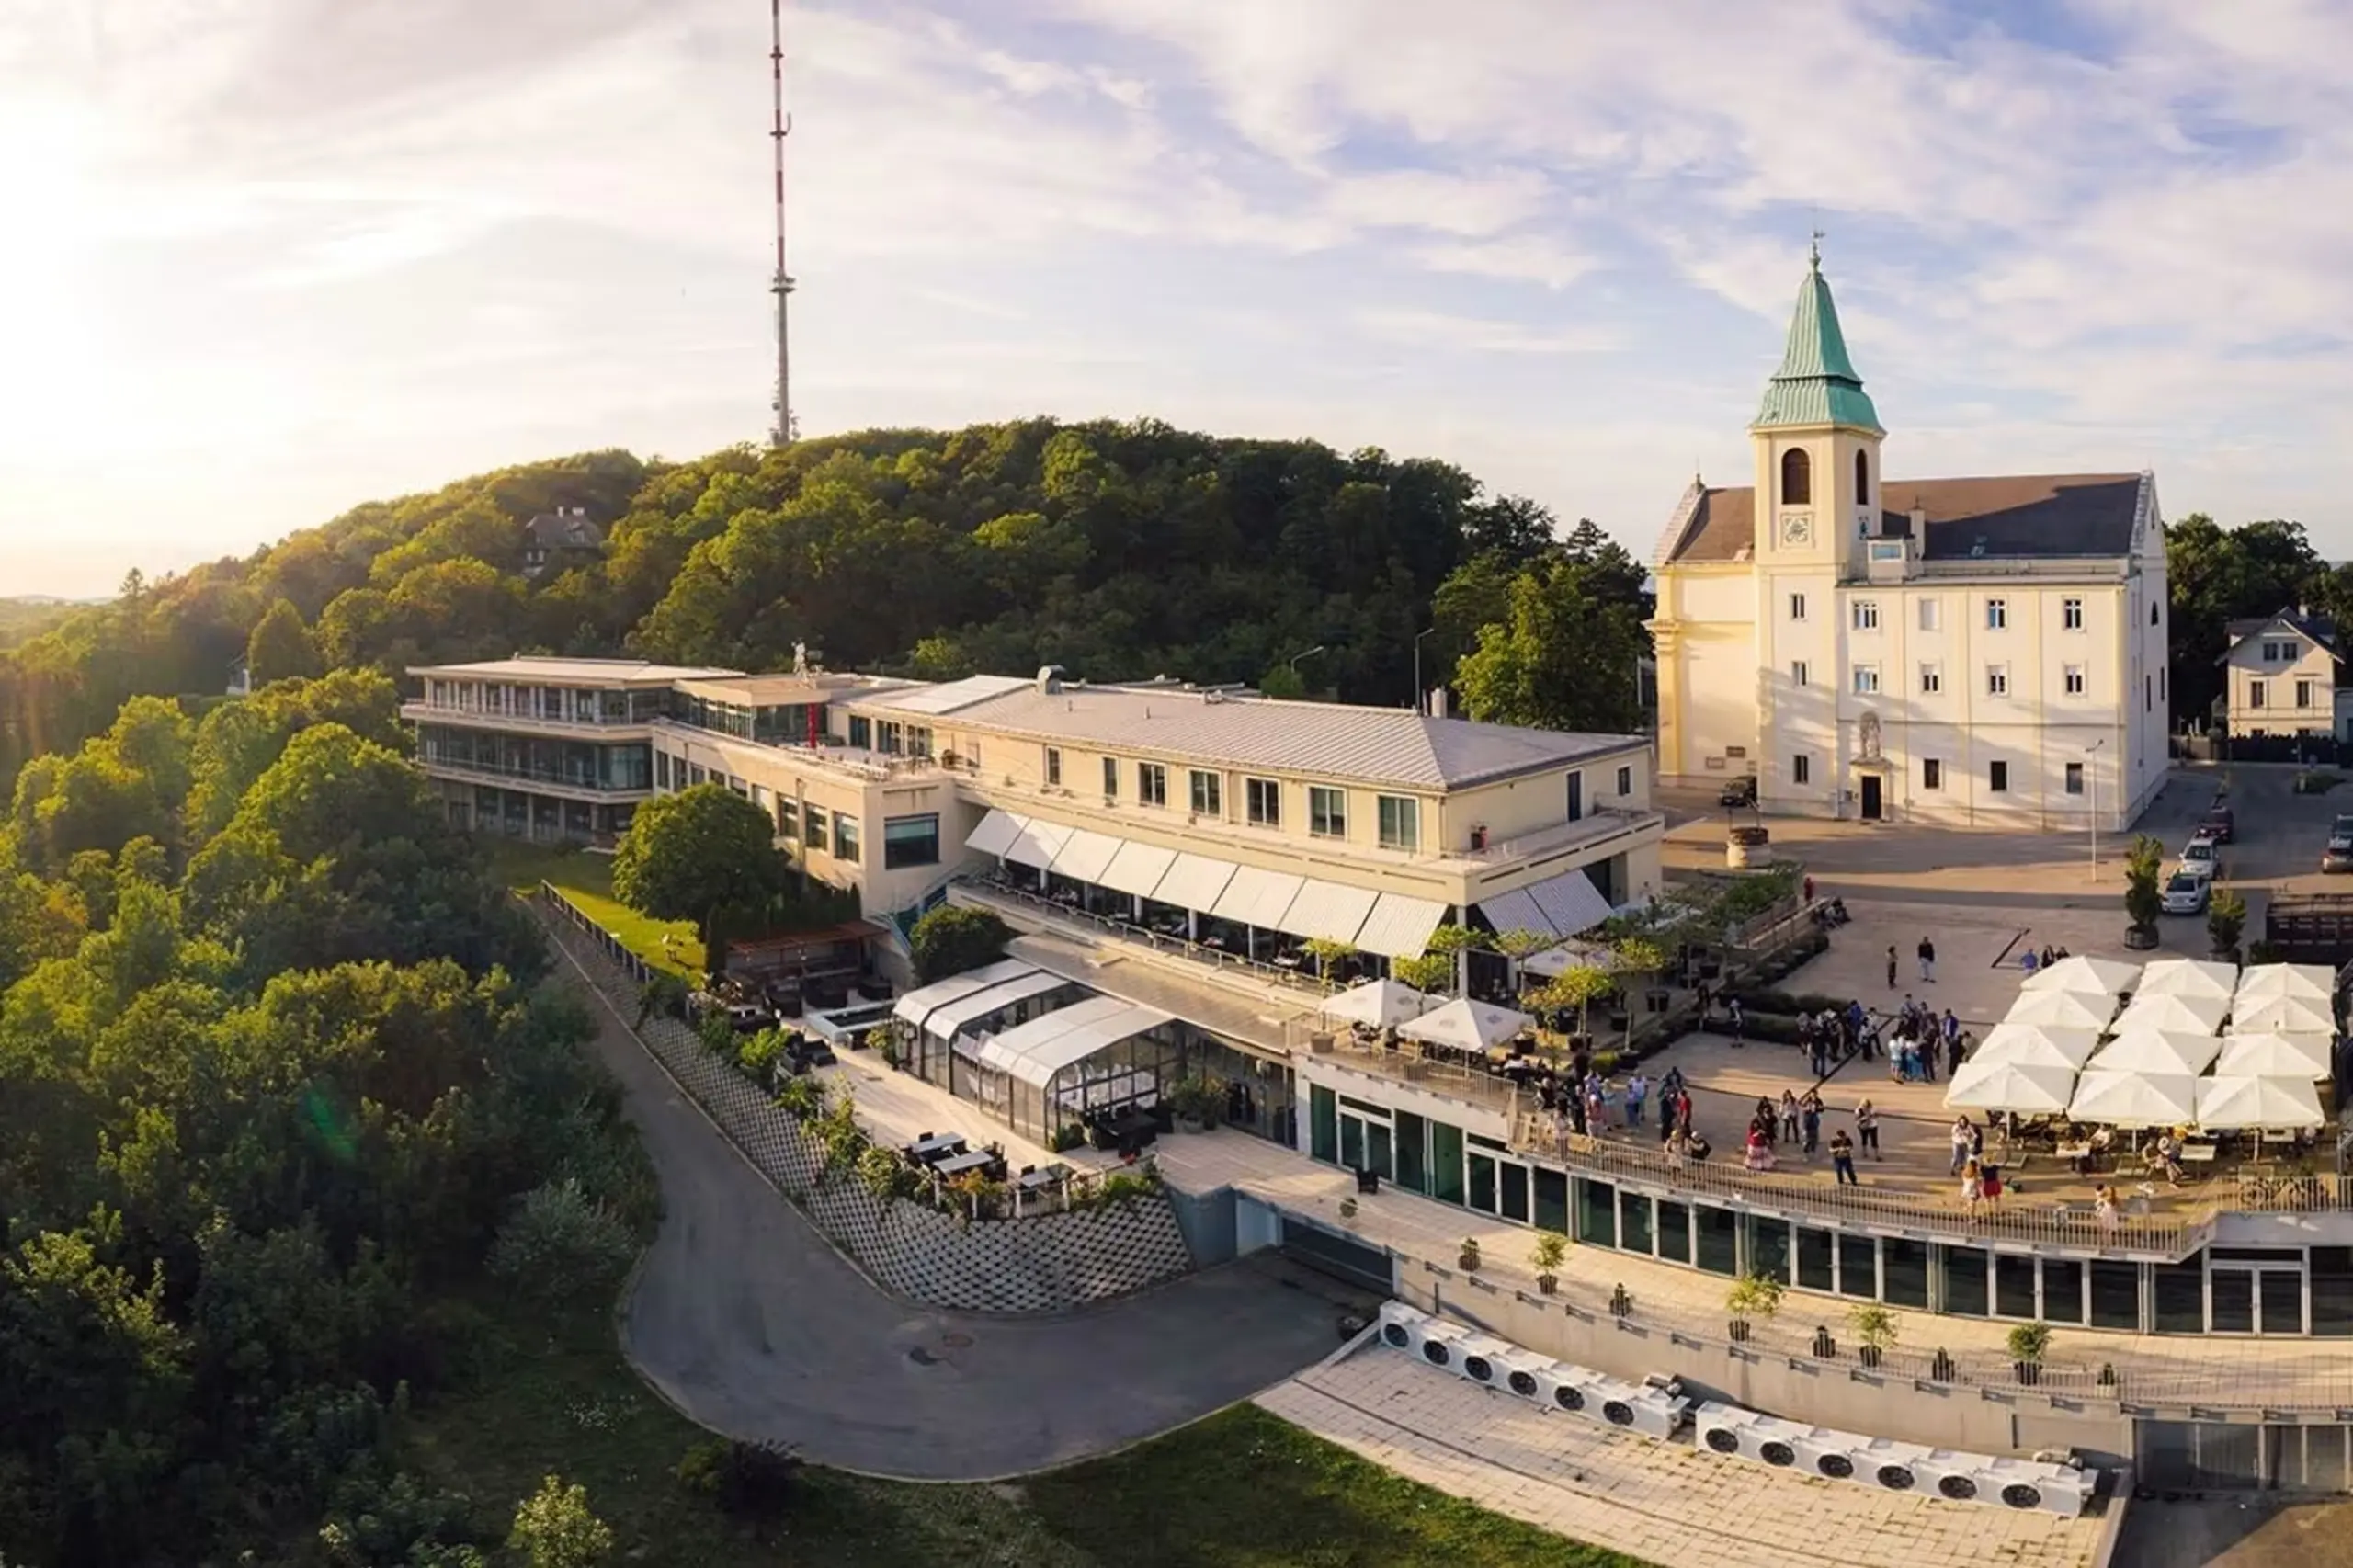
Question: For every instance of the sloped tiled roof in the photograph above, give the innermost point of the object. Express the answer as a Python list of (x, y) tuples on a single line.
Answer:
[(2319, 628), (2011, 518), (1373, 745)]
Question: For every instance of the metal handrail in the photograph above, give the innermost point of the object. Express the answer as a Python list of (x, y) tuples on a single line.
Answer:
[(1125, 931)]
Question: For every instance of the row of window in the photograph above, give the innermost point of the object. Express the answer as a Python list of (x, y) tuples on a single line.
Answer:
[(1399, 817), (1797, 478), (893, 738), (1866, 679), (906, 841), (1863, 614), (2283, 653), (2257, 690), (1932, 774)]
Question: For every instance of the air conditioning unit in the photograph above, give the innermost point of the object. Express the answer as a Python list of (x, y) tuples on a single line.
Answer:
[(1890, 1465), (1400, 1324), (1571, 1389), (1478, 1359), (1435, 1344), (1834, 1455), (1956, 1477), (1719, 1428), (1632, 1407), (1773, 1441), (2060, 1488), (1521, 1374)]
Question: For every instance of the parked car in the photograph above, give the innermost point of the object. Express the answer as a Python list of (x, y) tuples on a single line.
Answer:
[(2339, 855), (2187, 895), (2219, 824), (2202, 857), (1741, 791)]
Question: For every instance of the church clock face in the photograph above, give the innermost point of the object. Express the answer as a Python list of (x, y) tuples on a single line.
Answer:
[(1797, 529)]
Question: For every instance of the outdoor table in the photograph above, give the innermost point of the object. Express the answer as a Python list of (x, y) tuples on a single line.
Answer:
[(956, 1165), (940, 1146), (1052, 1175), (2073, 1151), (2198, 1153)]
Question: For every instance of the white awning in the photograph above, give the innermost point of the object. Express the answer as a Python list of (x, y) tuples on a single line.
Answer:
[(1257, 898), (947, 1021), (1571, 902), (917, 1005), (1138, 868), (1399, 926), (1039, 843), (1514, 910), (1085, 855), (1331, 910), (1195, 883), (996, 832), (1038, 1064), (1466, 1024)]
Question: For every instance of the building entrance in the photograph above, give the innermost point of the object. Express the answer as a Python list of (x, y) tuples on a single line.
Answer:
[(1872, 800)]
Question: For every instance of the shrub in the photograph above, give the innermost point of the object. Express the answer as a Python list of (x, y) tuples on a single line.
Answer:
[(747, 1480), (839, 1135), (803, 1099), (559, 1244), (1551, 1250), (953, 938), (755, 1054), (554, 1528), (882, 1173), (1068, 1138), (376, 1525)]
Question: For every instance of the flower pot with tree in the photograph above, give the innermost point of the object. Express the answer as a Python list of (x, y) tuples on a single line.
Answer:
[(2029, 1343), (1330, 957), (1576, 987), (1752, 1296), (1470, 1258), (1639, 959), (2225, 923), (1875, 1329), (1550, 1249), (2144, 904)]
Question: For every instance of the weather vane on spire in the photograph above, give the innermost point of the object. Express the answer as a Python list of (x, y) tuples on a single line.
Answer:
[(1814, 252)]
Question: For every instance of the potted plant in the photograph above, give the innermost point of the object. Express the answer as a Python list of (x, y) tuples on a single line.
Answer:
[(1578, 986), (1550, 1248), (2027, 1344), (2144, 904), (1874, 1328), (1470, 1258), (1329, 956), (1752, 1296), (1645, 960), (2225, 921), (1188, 1098), (1347, 1209)]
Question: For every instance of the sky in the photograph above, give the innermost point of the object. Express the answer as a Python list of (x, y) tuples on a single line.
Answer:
[(269, 258)]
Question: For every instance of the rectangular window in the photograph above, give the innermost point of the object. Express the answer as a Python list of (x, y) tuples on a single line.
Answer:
[(1998, 776), (2255, 693), (788, 818), (2116, 1295), (1596, 1213), (861, 731), (1625, 782), (2071, 615), (1932, 773), (1053, 766), (1151, 784), (1801, 768), (845, 838), (1262, 799), (1327, 812), (1717, 1232), (662, 770), (1965, 1280), (2062, 1290), (1576, 797), (1208, 795), (1997, 615), (2148, 695), (1998, 680), (2072, 680), (1932, 679), (910, 841), (1866, 679), (1110, 777), (1798, 672), (890, 737), (1401, 823), (2304, 694), (2074, 778), (1674, 1232), (1866, 615), (1796, 606), (1634, 1230), (1903, 1273), (1928, 615), (816, 828)]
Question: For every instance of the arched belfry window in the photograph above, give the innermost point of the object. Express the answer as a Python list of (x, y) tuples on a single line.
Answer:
[(1797, 478), (1862, 477)]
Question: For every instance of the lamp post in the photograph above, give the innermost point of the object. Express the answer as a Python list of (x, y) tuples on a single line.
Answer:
[(1294, 659), (1417, 665), (2093, 768)]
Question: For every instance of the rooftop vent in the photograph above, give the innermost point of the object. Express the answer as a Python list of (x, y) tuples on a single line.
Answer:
[(1049, 679)]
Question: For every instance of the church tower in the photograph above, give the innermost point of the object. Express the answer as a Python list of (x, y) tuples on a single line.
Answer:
[(1817, 438)]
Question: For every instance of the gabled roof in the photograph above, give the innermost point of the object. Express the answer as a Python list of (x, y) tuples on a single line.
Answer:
[(569, 529), (2023, 517), (1818, 383), (2318, 629)]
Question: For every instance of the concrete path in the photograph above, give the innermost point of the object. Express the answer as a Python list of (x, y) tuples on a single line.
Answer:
[(745, 1318)]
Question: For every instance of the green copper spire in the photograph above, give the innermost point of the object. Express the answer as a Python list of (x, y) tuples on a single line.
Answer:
[(1816, 384)]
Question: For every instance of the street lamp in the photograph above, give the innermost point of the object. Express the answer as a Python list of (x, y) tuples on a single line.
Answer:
[(2093, 752), (1310, 653), (1417, 665)]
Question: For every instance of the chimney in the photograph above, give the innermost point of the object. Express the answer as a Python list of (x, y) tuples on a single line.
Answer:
[(1049, 679), (1919, 523)]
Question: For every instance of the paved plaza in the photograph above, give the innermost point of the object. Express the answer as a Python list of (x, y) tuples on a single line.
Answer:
[(1665, 1502)]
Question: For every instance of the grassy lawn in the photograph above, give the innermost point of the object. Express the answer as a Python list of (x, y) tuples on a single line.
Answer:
[(1240, 1490), (587, 881)]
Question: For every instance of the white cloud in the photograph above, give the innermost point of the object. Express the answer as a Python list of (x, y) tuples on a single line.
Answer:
[(1441, 333)]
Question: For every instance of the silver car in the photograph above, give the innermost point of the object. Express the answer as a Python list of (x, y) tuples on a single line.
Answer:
[(2187, 895)]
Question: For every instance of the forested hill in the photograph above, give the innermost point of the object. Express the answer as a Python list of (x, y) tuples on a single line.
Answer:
[(1117, 550)]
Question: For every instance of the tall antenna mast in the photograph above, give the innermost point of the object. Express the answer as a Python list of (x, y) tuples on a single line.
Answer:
[(786, 427)]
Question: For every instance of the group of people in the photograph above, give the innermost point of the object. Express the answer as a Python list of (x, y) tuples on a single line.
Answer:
[(1920, 1037), (1580, 1101), (2031, 960)]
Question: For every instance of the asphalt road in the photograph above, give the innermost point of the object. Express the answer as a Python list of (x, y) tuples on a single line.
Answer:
[(745, 1318)]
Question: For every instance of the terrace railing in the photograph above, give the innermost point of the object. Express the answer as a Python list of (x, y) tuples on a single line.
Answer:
[(1038, 906)]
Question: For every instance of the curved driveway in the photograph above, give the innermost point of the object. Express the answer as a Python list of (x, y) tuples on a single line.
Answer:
[(750, 1322)]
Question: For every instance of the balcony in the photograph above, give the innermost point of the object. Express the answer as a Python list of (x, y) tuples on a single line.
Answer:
[(841, 761), (1597, 826), (560, 786), (607, 730)]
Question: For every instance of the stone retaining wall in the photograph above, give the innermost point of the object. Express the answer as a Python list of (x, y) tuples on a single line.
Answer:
[(1040, 1263)]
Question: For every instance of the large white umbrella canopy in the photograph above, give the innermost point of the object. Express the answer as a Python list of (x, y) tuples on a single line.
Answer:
[(2232, 1104), (2036, 1045), (2007, 1085), (2187, 977), (1555, 962), (2260, 983), (1379, 1004), (2282, 1015), (2275, 1056), (2063, 1009), (2092, 977), (2180, 1015), (2136, 1099), (2168, 1051), (1466, 1024)]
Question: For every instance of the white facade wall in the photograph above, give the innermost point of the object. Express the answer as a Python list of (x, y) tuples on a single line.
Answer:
[(2249, 674)]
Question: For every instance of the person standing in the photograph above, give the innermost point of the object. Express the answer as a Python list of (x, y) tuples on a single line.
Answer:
[(1842, 1159), (1890, 966), (1638, 1089), (1963, 1142), (1789, 1115), (1952, 1043), (1810, 1121), (1866, 1127), (1735, 1022), (1927, 961)]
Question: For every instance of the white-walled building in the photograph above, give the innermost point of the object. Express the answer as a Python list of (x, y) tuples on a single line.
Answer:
[(1983, 651), (2279, 675)]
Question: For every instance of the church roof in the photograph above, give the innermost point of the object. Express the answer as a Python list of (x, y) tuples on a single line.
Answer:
[(1816, 384), (2022, 516)]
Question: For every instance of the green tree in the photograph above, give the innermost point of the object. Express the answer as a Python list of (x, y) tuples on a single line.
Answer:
[(2143, 869), (1578, 986), (1563, 658), (703, 853), (954, 938), (2225, 922), (281, 647), (554, 1528)]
